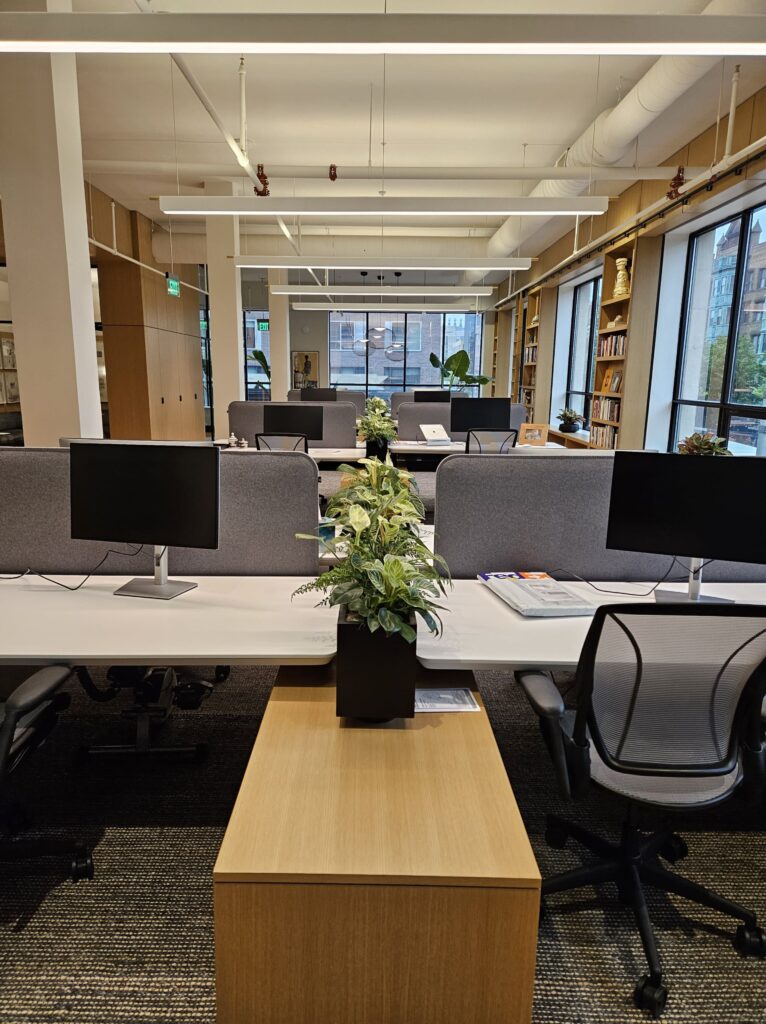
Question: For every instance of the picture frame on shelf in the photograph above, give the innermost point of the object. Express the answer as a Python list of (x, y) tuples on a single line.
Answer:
[(616, 382), (533, 433), (11, 388), (7, 353), (305, 369), (606, 383)]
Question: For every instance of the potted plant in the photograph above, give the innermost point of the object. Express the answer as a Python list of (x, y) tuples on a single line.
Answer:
[(454, 371), (569, 421), (703, 444), (258, 356), (377, 428), (386, 579)]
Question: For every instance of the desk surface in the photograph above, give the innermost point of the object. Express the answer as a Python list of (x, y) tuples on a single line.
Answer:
[(225, 620), (421, 801)]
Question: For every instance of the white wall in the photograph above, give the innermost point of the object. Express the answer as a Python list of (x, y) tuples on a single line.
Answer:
[(308, 333)]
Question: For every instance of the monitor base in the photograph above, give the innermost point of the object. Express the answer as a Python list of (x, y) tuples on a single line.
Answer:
[(148, 587), (682, 597)]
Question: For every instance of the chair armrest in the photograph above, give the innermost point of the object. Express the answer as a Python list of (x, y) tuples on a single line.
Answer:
[(36, 689), (542, 693)]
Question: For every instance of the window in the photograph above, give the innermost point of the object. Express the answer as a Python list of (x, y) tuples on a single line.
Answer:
[(582, 347), (380, 353), (255, 326), (721, 373)]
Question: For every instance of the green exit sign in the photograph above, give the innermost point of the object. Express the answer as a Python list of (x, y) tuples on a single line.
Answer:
[(263, 325), (174, 285)]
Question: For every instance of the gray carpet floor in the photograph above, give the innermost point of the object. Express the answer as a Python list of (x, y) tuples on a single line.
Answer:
[(135, 945)]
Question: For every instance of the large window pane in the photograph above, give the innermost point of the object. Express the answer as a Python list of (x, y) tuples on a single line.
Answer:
[(256, 329), (348, 350), (692, 419), (708, 313), (424, 336), (582, 322), (385, 368), (748, 383), (747, 435)]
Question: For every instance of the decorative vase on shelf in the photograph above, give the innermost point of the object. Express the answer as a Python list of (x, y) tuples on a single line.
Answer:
[(568, 428), (622, 281)]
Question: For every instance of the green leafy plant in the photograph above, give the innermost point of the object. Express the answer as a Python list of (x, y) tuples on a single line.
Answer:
[(454, 370), (376, 424), (258, 356), (568, 416), (703, 444), (386, 574)]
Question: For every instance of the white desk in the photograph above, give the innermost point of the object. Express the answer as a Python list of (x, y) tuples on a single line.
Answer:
[(226, 620), (455, 447), (317, 454), (482, 632)]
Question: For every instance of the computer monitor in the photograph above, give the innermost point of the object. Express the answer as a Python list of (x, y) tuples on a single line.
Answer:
[(479, 414), (319, 395), (693, 506), (146, 492), (294, 419), (432, 396)]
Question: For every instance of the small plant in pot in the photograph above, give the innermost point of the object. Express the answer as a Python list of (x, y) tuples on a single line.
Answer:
[(377, 428), (569, 421), (386, 580), (703, 444)]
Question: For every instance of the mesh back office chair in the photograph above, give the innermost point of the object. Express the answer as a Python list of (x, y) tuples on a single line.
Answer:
[(281, 442), (668, 714), (26, 719), (490, 442)]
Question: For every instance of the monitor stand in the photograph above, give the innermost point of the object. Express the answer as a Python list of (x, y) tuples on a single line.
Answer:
[(160, 586), (693, 593)]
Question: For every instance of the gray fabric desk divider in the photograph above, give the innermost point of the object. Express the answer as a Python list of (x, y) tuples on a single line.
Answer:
[(357, 398), (339, 422), (412, 414), (514, 512), (266, 498)]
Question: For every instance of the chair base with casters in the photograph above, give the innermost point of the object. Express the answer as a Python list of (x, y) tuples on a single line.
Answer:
[(77, 854), (155, 691), (632, 864)]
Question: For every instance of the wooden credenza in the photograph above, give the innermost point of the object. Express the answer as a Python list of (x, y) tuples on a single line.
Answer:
[(374, 875)]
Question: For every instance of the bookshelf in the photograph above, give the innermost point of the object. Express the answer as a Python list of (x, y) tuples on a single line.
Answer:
[(517, 348), (612, 346), (528, 356)]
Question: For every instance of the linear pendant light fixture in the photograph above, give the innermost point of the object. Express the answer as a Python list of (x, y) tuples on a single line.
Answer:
[(400, 307), (375, 206), (449, 34), (390, 290), (448, 263)]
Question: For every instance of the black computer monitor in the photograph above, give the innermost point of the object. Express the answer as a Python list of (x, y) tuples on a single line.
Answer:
[(156, 493), (694, 506), (319, 395), (479, 414), (294, 419), (432, 396)]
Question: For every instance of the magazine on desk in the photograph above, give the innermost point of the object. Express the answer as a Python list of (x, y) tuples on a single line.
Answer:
[(536, 594)]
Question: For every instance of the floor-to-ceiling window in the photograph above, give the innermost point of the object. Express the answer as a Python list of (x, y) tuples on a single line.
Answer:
[(582, 347), (255, 333), (721, 373), (380, 353)]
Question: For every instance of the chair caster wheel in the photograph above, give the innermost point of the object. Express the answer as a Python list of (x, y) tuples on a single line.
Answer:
[(750, 941), (222, 673), (556, 834), (650, 996), (82, 865), (674, 849), (200, 753)]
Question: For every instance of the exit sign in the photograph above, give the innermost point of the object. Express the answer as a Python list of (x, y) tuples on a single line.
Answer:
[(263, 325), (174, 285)]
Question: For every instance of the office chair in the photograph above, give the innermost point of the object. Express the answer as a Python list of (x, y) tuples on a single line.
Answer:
[(282, 442), (490, 442), (668, 715), (26, 719)]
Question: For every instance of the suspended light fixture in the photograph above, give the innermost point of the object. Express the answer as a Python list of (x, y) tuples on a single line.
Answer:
[(448, 263)]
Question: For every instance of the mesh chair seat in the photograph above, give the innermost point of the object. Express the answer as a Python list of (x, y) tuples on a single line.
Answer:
[(282, 442), (673, 791), (490, 442)]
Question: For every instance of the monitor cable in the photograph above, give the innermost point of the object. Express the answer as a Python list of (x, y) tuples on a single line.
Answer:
[(632, 593), (66, 586)]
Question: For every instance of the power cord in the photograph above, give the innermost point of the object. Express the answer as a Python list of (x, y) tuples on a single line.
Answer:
[(66, 586), (632, 593)]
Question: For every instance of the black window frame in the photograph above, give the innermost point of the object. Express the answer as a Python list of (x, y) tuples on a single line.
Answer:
[(594, 283), (727, 410)]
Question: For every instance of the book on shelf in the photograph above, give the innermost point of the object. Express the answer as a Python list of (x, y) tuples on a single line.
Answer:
[(605, 408), (537, 594), (602, 436), (611, 345)]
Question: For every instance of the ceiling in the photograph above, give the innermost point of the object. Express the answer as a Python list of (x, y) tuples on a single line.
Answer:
[(145, 133)]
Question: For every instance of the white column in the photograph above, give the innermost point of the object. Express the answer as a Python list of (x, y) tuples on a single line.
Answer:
[(46, 240), (279, 338), (227, 356)]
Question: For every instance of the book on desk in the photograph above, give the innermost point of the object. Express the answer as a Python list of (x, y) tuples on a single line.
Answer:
[(538, 595)]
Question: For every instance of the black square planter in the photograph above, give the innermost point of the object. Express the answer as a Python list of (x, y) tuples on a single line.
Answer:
[(375, 674), (378, 447)]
